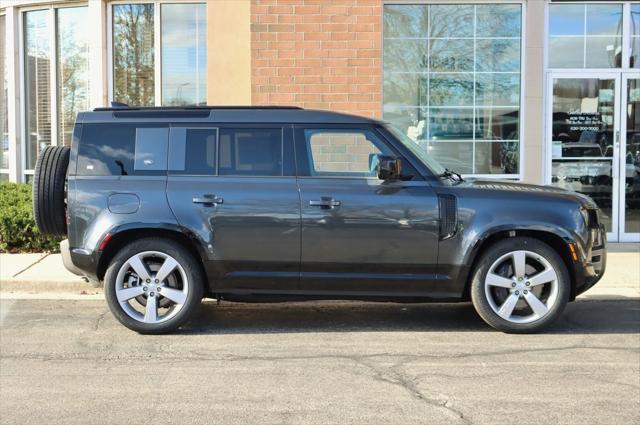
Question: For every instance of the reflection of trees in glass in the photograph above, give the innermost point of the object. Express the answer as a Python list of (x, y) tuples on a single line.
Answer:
[(38, 87), (133, 60), (73, 68)]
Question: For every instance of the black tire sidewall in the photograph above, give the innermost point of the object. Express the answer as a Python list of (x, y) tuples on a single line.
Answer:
[(478, 296), (49, 190), (191, 268)]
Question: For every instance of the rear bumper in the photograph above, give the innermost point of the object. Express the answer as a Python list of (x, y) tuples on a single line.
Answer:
[(77, 263)]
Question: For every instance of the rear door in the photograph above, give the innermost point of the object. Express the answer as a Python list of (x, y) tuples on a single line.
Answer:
[(234, 188), (361, 234)]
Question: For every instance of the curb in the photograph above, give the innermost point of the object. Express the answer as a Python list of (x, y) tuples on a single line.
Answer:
[(35, 287)]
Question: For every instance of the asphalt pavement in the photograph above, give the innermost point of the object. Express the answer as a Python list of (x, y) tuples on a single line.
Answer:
[(70, 362)]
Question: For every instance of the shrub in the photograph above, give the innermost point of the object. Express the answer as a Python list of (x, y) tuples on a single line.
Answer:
[(18, 231)]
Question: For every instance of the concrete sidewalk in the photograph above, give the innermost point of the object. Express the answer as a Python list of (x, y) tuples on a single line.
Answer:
[(45, 273)]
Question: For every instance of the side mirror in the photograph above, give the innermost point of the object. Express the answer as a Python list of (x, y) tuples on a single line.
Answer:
[(389, 167)]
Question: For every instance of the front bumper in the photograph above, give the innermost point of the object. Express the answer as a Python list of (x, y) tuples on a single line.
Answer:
[(594, 262)]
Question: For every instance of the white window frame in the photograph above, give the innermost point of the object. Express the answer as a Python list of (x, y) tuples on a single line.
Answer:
[(6, 39), (523, 32), (23, 172), (157, 43)]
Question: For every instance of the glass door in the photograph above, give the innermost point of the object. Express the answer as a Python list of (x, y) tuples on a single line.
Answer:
[(584, 138), (630, 159)]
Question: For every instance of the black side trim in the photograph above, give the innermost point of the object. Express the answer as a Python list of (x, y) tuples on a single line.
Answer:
[(448, 216)]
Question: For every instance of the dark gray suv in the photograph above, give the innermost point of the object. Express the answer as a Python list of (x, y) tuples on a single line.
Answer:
[(165, 206)]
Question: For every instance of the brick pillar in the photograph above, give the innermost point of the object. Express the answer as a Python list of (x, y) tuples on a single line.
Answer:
[(317, 54)]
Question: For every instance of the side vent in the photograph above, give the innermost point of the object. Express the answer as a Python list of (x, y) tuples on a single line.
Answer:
[(448, 216)]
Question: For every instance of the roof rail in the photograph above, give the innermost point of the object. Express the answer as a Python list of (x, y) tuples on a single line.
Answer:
[(116, 106)]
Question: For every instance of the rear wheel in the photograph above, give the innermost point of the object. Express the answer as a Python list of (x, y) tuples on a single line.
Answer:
[(50, 190), (520, 285), (153, 285)]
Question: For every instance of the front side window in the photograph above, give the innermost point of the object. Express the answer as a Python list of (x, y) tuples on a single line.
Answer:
[(452, 80), (159, 54), (585, 35), (343, 153)]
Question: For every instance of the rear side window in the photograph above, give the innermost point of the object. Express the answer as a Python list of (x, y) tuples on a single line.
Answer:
[(193, 151), (122, 150), (250, 152)]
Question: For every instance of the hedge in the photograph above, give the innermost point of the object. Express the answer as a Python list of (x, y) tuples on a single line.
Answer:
[(18, 231)]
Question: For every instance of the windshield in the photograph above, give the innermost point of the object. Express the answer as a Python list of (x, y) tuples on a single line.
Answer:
[(418, 151)]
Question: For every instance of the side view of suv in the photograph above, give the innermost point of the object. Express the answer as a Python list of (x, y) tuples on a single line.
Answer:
[(166, 206)]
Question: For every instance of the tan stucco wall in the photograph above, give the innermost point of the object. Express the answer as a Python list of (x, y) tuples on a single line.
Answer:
[(533, 115), (228, 52)]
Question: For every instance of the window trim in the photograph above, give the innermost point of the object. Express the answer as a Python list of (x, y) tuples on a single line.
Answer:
[(157, 43), (523, 67)]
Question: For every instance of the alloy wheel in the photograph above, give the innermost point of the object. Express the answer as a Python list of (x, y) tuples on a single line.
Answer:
[(521, 286), (151, 287)]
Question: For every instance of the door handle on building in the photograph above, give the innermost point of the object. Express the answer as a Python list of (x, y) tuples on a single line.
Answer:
[(208, 199)]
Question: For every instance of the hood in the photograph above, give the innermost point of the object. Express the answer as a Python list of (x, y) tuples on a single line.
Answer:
[(508, 186)]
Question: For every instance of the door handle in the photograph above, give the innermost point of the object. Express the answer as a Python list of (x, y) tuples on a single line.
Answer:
[(208, 199), (325, 202)]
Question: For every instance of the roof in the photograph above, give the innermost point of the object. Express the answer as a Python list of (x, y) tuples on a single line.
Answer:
[(222, 114)]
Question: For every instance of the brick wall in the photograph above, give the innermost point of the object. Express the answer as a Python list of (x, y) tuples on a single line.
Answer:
[(322, 54)]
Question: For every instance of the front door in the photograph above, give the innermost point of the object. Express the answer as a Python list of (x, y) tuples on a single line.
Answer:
[(361, 234), (234, 188), (630, 159), (584, 139)]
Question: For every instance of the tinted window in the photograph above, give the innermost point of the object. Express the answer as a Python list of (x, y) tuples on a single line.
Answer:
[(350, 153), (111, 149), (193, 151), (250, 152)]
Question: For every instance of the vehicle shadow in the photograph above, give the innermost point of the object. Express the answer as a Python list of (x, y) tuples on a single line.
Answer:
[(584, 316)]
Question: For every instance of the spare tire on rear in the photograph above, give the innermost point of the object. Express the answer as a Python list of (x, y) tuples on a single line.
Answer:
[(49, 190)]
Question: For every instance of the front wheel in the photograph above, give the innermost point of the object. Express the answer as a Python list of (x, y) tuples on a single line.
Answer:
[(153, 285), (520, 285)]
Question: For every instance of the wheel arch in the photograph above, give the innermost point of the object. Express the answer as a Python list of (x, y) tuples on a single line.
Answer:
[(556, 240), (123, 236)]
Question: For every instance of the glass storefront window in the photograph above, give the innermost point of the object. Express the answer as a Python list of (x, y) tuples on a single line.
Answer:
[(37, 63), (133, 54), (184, 56), (181, 48), (72, 50), (582, 138), (585, 35), (452, 82), (4, 118), (635, 35), (632, 157)]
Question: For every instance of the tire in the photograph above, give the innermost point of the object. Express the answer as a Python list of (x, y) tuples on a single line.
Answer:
[(505, 295), (49, 190), (185, 283)]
